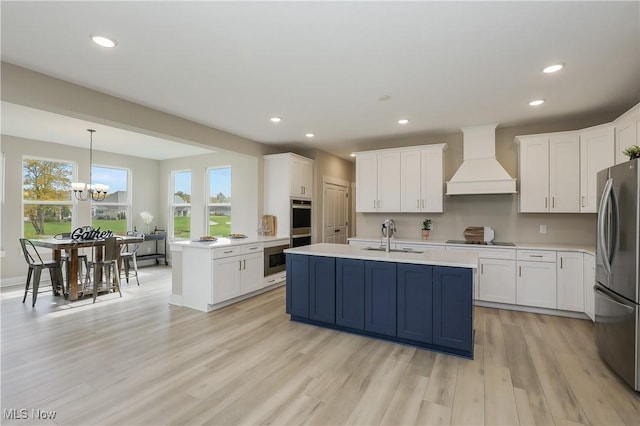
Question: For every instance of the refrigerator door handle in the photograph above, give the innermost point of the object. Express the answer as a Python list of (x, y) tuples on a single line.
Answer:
[(612, 299), (602, 249)]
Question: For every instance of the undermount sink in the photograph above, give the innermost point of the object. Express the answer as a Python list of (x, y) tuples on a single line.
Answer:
[(393, 250)]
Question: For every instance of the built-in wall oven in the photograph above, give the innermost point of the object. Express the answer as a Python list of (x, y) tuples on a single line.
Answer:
[(300, 223), (274, 259)]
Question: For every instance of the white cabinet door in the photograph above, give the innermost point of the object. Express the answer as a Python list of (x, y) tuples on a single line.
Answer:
[(410, 181), (627, 132), (252, 272), (536, 284), (366, 183), (597, 151), (301, 177), (570, 281), (432, 181), (534, 175), (497, 280), (589, 281), (564, 173), (226, 279), (389, 182)]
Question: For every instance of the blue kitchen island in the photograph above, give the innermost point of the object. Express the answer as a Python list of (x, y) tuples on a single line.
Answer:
[(421, 299)]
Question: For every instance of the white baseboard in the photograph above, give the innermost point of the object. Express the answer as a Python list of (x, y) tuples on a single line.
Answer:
[(175, 299), (531, 309)]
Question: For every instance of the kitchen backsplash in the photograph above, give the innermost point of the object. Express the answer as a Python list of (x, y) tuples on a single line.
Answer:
[(497, 211)]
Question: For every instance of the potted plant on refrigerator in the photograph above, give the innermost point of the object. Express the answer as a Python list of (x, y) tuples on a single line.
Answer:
[(426, 227)]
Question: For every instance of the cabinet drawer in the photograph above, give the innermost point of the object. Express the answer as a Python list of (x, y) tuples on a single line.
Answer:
[(223, 252), (252, 248), (537, 255), (418, 247), (485, 253)]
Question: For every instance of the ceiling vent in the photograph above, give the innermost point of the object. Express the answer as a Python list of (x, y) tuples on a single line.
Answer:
[(480, 172)]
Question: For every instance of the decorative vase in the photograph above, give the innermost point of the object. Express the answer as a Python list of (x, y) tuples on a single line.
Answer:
[(425, 234)]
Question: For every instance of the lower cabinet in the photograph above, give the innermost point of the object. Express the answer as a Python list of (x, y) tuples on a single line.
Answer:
[(298, 285), (589, 275), (380, 297), (350, 293), (322, 289), (415, 302), (453, 307), (236, 275), (570, 281), (429, 306), (536, 284), (497, 281)]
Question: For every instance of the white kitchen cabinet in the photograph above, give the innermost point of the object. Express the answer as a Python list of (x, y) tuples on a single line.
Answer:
[(589, 276), (627, 132), (536, 279), (550, 173), (597, 152), (570, 281), (301, 182), (422, 177), (291, 170), (497, 280), (236, 275), (378, 181)]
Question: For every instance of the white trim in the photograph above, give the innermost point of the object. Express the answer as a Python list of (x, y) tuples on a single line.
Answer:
[(531, 309), (335, 181), (175, 299)]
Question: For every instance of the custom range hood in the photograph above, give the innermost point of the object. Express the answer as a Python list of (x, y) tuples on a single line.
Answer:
[(480, 172)]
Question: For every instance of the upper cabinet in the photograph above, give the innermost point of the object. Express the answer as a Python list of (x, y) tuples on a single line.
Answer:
[(291, 169), (378, 181), (400, 180), (549, 173), (627, 132), (422, 174), (596, 153)]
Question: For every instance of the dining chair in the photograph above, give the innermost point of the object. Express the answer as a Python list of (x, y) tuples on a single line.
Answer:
[(83, 276), (129, 255), (107, 264), (36, 265)]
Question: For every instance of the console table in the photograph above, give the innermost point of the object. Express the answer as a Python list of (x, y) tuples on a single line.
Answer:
[(157, 255)]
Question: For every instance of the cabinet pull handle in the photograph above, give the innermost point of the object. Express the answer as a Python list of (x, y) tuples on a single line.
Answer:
[(244, 264), (520, 271), (229, 251), (418, 203), (535, 255), (561, 262), (482, 268), (423, 204), (272, 281), (239, 265), (374, 204), (253, 248), (553, 202), (583, 201)]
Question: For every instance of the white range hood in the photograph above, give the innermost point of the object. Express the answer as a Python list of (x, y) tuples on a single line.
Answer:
[(480, 172)]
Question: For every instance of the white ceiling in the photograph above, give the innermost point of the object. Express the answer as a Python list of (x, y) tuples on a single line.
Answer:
[(324, 66)]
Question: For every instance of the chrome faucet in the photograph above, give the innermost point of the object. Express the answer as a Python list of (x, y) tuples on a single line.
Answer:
[(388, 229)]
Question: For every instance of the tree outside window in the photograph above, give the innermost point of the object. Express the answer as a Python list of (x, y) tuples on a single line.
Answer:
[(46, 197), (219, 202)]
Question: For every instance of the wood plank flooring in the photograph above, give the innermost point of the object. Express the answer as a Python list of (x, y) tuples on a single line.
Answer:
[(138, 360)]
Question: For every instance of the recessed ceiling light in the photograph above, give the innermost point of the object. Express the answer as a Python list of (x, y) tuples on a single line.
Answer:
[(310, 135), (536, 102), (103, 41), (353, 154), (403, 121), (276, 119), (553, 68)]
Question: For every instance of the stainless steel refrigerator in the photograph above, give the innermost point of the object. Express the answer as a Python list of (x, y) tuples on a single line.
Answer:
[(616, 291)]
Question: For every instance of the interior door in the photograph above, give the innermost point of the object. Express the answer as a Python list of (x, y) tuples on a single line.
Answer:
[(335, 214)]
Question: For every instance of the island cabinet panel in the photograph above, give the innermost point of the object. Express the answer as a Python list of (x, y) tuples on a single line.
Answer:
[(380, 297), (350, 293), (322, 289), (415, 300), (298, 285), (453, 307)]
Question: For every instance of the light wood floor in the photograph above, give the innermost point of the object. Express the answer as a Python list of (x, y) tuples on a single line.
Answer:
[(139, 360)]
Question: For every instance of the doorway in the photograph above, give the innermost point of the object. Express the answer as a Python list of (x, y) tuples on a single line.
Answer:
[(335, 214)]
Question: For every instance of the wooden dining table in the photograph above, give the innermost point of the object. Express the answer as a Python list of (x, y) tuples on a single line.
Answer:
[(71, 246)]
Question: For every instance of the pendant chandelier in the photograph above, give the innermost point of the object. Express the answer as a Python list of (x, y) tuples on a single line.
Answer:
[(97, 192)]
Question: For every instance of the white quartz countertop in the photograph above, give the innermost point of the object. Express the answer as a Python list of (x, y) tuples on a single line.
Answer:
[(456, 259), (518, 245), (225, 242)]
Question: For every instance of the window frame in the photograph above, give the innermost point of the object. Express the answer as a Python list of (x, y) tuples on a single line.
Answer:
[(127, 204), (173, 205), (208, 203), (72, 202)]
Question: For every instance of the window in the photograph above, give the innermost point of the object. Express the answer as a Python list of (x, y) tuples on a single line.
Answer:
[(46, 197), (181, 204), (112, 213), (219, 202)]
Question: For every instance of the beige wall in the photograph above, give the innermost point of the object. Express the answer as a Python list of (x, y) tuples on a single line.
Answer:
[(497, 211)]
